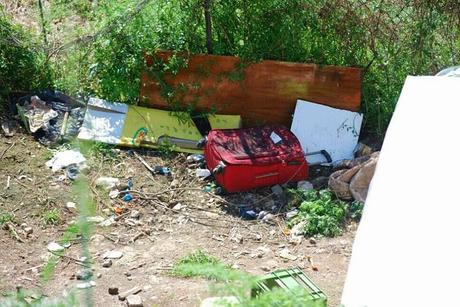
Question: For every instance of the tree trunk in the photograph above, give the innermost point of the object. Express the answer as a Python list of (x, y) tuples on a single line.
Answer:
[(207, 17)]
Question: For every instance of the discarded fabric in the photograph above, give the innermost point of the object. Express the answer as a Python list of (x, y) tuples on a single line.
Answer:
[(66, 158)]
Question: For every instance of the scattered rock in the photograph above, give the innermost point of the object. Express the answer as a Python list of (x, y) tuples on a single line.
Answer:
[(113, 290), (304, 185), (277, 190), (84, 274), (235, 266), (135, 214), (127, 274), (86, 285), (174, 183), (108, 222), (55, 247), (129, 278), (28, 230), (265, 268), (124, 295), (238, 239), (67, 244), (286, 254), (107, 263), (99, 275), (132, 222), (95, 219), (71, 206), (291, 214), (107, 182), (312, 241), (178, 207), (113, 254), (134, 301)]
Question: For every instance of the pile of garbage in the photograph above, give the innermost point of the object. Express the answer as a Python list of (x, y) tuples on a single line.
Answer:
[(51, 116)]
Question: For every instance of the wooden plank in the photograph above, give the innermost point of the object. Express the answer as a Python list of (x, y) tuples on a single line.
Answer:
[(264, 92)]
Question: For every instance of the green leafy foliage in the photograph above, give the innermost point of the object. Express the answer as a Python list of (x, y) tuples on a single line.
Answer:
[(200, 264), (5, 218), (356, 210), (232, 282), (320, 213), (52, 217), (389, 39), (21, 61)]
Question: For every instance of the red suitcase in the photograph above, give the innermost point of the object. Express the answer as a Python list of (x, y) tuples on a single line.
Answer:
[(243, 159)]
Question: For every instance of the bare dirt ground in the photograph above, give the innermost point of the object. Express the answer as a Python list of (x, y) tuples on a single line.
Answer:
[(150, 244)]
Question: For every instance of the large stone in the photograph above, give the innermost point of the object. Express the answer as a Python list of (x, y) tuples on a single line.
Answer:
[(55, 247), (113, 254), (134, 301), (122, 296)]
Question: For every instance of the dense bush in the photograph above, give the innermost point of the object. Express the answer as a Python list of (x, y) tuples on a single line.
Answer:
[(20, 61), (389, 39)]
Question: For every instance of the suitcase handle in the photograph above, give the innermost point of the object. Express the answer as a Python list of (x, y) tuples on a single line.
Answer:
[(321, 152), (219, 168)]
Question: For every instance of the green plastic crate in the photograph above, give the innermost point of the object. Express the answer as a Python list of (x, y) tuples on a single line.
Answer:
[(288, 279)]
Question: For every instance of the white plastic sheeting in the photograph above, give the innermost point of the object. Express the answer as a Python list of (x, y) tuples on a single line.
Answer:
[(320, 127), (406, 249)]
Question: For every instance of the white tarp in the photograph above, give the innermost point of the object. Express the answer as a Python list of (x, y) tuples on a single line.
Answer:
[(320, 127), (406, 250)]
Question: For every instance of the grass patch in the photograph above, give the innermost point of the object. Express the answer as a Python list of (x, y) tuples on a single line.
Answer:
[(5, 218), (52, 217), (200, 264)]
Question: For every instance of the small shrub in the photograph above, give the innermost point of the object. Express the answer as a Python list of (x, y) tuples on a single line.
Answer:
[(321, 213)]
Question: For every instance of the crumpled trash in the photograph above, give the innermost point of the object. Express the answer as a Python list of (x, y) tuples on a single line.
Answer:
[(51, 116), (66, 158), (354, 183)]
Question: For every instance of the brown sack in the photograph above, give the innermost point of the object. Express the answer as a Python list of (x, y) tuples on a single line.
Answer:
[(359, 184), (353, 183), (339, 182)]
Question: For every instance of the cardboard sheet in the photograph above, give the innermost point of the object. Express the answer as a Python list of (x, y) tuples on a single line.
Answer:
[(406, 249), (320, 127), (133, 126)]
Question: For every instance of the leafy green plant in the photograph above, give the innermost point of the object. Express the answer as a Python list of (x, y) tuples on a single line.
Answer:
[(356, 210), (52, 217), (21, 62), (5, 218), (320, 213), (200, 264)]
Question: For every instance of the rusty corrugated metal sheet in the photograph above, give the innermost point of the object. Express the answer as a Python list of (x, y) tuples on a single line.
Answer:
[(264, 92)]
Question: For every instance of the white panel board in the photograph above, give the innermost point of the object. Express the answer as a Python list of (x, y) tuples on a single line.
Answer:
[(103, 122), (321, 127), (406, 249)]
